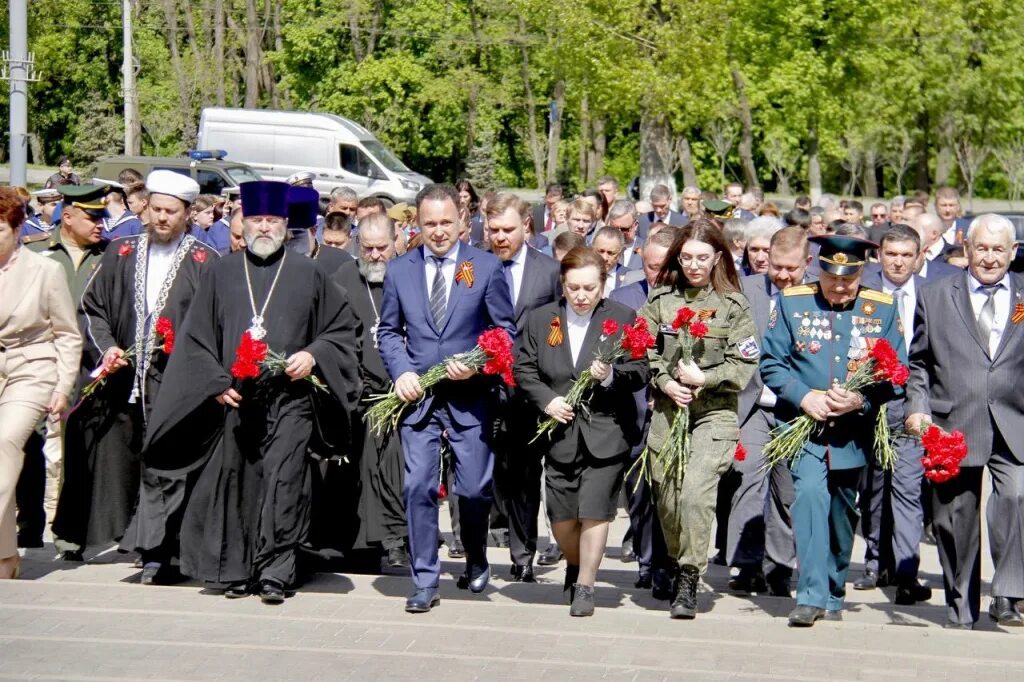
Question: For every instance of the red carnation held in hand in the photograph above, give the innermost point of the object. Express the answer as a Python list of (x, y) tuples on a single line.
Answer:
[(636, 339), (698, 330), (683, 317), (943, 453), (165, 332), (497, 344), (249, 355), (609, 328)]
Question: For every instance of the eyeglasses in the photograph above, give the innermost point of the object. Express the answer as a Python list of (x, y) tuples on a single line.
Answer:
[(877, 215), (702, 261)]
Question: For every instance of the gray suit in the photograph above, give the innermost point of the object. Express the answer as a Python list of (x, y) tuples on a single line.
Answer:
[(759, 527), (674, 218), (892, 515), (954, 380)]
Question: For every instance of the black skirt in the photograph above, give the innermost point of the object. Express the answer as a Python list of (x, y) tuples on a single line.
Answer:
[(586, 488)]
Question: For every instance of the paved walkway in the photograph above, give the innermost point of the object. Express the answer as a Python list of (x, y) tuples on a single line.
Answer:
[(93, 622)]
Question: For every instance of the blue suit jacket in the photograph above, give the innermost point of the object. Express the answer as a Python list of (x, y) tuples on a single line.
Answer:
[(633, 295), (411, 342)]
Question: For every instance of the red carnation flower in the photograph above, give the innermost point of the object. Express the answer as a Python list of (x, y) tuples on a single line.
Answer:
[(497, 345), (683, 317), (636, 339), (698, 330), (741, 452), (199, 255), (943, 454), (164, 330), (125, 249), (609, 328), (249, 355)]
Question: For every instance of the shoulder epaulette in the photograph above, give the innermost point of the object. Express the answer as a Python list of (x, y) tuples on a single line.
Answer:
[(873, 295), (800, 290), (35, 238)]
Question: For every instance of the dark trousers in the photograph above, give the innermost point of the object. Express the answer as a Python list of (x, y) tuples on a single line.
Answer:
[(957, 506), (645, 528), (31, 490), (517, 479), (892, 516)]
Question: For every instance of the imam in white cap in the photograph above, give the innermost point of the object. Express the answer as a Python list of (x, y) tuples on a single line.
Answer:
[(173, 184)]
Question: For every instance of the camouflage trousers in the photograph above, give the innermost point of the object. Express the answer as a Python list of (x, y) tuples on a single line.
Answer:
[(686, 504)]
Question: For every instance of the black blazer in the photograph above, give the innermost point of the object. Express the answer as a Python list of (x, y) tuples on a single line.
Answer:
[(609, 427), (542, 284)]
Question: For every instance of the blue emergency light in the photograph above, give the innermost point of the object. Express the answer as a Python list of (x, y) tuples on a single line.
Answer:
[(206, 154)]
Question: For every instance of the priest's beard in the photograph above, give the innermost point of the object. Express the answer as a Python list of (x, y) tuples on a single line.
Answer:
[(264, 246), (373, 272)]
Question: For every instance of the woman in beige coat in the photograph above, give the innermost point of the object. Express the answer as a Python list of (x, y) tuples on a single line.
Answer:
[(40, 349)]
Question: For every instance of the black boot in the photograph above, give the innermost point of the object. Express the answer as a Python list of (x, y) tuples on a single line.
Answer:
[(685, 603), (572, 574)]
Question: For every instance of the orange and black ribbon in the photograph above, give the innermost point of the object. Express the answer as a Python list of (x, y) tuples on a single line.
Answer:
[(465, 274), (705, 314), (555, 337), (1018, 313)]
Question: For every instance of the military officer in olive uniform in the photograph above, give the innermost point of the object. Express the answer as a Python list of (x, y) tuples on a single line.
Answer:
[(77, 244), (698, 273), (816, 335)]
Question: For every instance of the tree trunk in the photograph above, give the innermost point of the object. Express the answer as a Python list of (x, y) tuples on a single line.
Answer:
[(35, 148), (922, 181), (600, 145), (585, 139), (943, 165), (252, 55), (656, 153), (813, 165), (536, 148), (555, 131), (474, 92), (188, 128), (746, 148), (218, 50), (870, 185), (685, 154)]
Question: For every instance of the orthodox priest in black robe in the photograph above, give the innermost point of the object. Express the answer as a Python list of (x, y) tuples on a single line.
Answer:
[(140, 280), (250, 510), (368, 505)]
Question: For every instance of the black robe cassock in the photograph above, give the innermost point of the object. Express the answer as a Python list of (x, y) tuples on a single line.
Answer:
[(250, 509), (104, 436)]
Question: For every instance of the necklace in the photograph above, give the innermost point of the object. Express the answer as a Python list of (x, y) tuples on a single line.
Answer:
[(257, 330), (376, 315)]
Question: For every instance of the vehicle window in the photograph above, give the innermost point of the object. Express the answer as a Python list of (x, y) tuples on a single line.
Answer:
[(179, 170), (355, 161), (385, 157), (210, 182), (242, 174)]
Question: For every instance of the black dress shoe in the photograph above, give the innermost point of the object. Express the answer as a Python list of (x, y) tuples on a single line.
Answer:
[(237, 591), (627, 555), (550, 556), (685, 603), (779, 587), (750, 581), (805, 616), (475, 585), (422, 600), (523, 574), (1005, 612), (29, 542), (908, 595), (644, 582), (456, 551), (398, 558), (271, 592), (834, 615), (868, 581), (582, 601)]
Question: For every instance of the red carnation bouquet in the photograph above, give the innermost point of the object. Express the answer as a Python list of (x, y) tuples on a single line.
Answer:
[(881, 364), (252, 356), (943, 453), (676, 449), (163, 331), (491, 355), (634, 342)]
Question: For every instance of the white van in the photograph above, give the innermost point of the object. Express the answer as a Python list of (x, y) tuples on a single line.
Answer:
[(341, 152)]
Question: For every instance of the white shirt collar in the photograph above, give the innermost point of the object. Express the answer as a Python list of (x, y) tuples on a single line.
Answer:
[(452, 255), (935, 249), (889, 287), (520, 258), (575, 319), (976, 285)]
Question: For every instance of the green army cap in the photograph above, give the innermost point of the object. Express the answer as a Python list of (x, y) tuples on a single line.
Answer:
[(89, 198), (719, 209), (842, 255)]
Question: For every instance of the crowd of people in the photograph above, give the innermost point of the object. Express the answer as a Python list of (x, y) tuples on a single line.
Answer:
[(188, 377)]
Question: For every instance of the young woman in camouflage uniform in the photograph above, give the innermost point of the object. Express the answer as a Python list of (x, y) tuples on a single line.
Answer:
[(698, 273)]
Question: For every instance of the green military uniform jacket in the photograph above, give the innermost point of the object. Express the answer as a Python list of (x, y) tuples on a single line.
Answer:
[(727, 355), (811, 346), (53, 247)]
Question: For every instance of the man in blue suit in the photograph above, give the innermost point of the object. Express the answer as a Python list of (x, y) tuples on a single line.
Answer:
[(661, 202), (437, 300)]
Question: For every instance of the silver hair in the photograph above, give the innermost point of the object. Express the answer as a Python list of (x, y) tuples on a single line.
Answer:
[(611, 233), (828, 201), (622, 207), (691, 190), (898, 200), (762, 227), (345, 193), (661, 192), (994, 223), (852, 230), (735, 229)]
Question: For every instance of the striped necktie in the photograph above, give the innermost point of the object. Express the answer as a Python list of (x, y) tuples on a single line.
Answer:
[(438, 295)]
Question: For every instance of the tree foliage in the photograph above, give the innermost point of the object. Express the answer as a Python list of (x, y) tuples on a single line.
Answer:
[(882, 96)]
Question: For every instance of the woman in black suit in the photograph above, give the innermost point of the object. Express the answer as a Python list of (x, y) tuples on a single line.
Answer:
[(586, 458)]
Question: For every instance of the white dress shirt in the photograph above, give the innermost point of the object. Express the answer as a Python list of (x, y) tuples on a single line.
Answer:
[(159, 257), (578, 326), (518, 268), (1002, 304), (909, 305), (628, 255), (609, 282), (447, 269), (767, 399), (933, 251)]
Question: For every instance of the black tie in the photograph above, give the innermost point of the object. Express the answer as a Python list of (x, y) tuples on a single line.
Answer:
[(438, 295)]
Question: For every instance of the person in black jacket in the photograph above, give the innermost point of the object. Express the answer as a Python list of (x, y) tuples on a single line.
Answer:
[(586, 458)]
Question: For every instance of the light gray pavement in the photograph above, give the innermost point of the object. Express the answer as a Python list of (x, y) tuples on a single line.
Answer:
[(94, 622)]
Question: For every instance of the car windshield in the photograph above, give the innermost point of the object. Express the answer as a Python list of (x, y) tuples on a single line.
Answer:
[(242, 174), (384, 156)]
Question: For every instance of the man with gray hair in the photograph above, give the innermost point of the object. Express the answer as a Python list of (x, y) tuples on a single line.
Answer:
[(691, 203), (623, 217), (929, 228), (966, 360), (758, 237), (381, 510), (608, 242), (661, 204)]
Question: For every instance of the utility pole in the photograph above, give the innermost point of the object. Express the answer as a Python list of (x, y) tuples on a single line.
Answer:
[(18, 69), (132, 132)]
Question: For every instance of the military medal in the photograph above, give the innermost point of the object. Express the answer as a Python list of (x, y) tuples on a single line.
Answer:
[(257, 331), (868, 308), (814, 347)]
